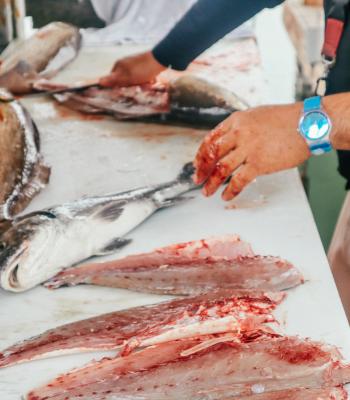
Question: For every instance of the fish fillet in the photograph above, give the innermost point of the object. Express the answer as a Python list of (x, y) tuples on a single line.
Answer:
[(188, 369), (123, 103), (188, 269), (22, 171), (215, 312)]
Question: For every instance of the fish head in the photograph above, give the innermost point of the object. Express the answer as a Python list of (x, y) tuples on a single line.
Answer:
[(24, 250)]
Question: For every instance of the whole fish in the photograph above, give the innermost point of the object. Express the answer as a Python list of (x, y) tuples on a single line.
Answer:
[(22, 171), (216, 368), (188, 269), (40, 244), (40, 56), (210, 313)]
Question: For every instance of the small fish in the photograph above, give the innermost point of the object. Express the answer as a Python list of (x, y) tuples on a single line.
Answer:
[(40, 244), (188, 269), (22, 171), (41, 56), (200, 368), (232, 311)]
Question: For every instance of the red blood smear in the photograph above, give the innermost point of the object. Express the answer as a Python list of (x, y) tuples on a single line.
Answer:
[(65, 112), (299, 354)]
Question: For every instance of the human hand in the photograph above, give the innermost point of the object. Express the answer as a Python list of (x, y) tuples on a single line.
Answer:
[(134, 70), (247, 144)]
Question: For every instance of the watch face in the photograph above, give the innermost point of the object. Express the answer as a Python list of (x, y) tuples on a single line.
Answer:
[(315, 125)]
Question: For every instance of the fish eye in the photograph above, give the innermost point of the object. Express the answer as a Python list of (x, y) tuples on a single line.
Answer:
[(2, 246)]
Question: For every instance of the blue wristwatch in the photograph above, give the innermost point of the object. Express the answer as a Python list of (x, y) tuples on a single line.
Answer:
[(315, 126)]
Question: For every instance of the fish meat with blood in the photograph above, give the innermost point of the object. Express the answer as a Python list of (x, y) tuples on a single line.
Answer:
[(200, 368), (187, 269), (40, 56), (40, 244), (186, 98), (123, 103), (210, 313), (22, 171)]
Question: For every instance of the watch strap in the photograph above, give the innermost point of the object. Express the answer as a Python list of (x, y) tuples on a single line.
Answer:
[(312, 103)]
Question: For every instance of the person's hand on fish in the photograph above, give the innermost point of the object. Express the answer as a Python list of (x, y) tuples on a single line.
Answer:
[(134, 70), (248, 144)]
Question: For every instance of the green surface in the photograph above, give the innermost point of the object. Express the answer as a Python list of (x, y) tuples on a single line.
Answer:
[(326, 193)]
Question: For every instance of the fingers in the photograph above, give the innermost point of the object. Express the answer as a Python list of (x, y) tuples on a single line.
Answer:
[(215, 146), (222, 170), (239, 181), (111, 80)]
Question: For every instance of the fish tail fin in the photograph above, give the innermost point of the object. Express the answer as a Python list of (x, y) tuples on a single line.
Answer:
[(172, 193), (187, 173), (172, 202)]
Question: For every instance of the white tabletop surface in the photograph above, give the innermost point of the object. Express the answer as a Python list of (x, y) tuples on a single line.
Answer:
[(97, 156)]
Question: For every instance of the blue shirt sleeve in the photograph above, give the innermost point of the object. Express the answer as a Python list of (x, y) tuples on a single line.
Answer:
[(204, 24)]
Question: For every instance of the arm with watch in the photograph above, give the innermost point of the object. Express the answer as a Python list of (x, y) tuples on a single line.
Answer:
[(268, 139)]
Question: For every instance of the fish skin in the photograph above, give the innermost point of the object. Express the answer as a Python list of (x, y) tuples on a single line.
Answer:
[(145, 325), (193, 91), (188, 269), (22, 170), (225, 370), (332, 393), (40, 244), (42, 55)]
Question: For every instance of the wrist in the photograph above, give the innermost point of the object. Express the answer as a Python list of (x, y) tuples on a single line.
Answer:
[(337, 108), (156, 65)]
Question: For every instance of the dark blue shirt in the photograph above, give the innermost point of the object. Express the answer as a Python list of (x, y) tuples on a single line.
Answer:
[(204, 24)]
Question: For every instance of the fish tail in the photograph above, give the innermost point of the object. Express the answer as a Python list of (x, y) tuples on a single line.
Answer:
[(171, 193), (187, 173)]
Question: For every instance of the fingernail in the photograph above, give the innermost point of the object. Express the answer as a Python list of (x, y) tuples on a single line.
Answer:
[(226, 195), (205, 191)]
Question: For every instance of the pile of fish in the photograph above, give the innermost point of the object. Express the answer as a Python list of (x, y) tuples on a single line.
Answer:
[(187, 98), (45, 53), (22, 171), (218, 343), (40, 244)]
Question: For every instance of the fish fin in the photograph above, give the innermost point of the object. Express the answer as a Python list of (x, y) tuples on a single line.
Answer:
[(187, 172), (110, 212), (113, 246), (173, 202), (24, 192)]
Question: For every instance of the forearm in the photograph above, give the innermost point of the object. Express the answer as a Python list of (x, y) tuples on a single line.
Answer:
[(205, 23), (338, 108)]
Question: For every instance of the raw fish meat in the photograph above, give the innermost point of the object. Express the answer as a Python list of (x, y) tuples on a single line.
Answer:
[(188, 269), (215, 312), (197, 369)]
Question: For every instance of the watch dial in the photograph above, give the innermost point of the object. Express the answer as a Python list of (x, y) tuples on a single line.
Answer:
[(315, 125)]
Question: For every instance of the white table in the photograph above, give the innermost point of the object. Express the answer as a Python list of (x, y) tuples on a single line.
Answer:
[(99, 156)]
